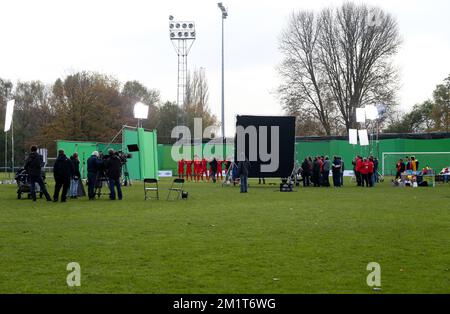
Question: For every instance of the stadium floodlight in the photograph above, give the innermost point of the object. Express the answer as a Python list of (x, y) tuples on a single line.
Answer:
[(140, 111), (9, 115), (181, 30), (363, 138), (371, 112), (223, 9), (360, 115), (353, 136)]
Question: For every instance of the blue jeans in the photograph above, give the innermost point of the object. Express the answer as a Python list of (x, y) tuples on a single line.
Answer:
[(115, 183), (244, 184), (38, 180), (73, 187)]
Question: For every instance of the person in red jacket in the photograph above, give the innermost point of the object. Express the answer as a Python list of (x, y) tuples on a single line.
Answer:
[(219, 169), (364, 171), (181, 168), (370, 171), (188, 169), (359, 177)]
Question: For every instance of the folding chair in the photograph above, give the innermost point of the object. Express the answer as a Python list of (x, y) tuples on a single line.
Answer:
[(151, 185), (176, 187)]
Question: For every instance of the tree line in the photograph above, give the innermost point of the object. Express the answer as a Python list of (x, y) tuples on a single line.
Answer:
[(88, 106)]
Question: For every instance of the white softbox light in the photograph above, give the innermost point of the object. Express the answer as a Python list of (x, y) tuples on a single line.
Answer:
[(363, 138), (140, 111), (353, 136), (371, 112), (360, 115), (9, 114)]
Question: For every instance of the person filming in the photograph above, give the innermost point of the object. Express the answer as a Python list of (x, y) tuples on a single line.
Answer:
[(113, 166)]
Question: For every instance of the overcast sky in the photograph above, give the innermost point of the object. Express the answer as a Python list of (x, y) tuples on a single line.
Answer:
[(47, 39)]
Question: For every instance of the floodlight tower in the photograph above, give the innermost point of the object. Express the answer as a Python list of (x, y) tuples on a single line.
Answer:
[(182, 35), (224, 16)]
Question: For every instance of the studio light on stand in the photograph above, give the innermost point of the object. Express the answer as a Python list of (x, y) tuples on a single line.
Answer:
[(140, 112)]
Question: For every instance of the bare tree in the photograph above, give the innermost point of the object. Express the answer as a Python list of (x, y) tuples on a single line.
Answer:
[(338, 60), (196, 100)]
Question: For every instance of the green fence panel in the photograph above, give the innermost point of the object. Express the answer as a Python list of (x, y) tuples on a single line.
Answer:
[(83, 149)]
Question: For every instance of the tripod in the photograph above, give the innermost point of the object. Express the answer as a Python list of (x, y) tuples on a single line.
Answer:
[(101, 178), (126, 175)]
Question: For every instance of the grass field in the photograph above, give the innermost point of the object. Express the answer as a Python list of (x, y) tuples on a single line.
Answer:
[(220, 241)]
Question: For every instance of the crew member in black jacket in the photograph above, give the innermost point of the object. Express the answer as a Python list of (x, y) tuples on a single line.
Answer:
[(62, 172), (113, 167), (33, 166), (93, 167)]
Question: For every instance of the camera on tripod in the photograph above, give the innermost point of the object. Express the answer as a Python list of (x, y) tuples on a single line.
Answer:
[(123, 157)]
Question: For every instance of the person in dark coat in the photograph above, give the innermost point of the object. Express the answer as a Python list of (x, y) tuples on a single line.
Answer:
[(113, 166), (62, 172), (336, 171), (306, 172), (76, 176), (213, 167), (326, 171), (243, 170), (316, 172), (33, 166), (93, 167), (342, 170)]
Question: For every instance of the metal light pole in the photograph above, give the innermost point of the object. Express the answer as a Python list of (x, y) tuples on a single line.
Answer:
[(224, 16)]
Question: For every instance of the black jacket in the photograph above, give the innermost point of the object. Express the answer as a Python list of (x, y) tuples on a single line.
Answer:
[(213, 165), (76, 167), (316, 167), (113, 167), (63, 168), (33, 164), (243, 168), (93, 164), (306, 167)]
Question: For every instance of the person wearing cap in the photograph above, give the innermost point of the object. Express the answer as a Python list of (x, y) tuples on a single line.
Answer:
[(93, 165)]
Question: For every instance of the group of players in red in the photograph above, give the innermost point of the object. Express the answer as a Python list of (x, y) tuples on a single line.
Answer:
[(197, 169)]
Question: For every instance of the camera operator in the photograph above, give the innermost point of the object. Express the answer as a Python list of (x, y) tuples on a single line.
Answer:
[(33, 166), (113, 167), (93, 167)]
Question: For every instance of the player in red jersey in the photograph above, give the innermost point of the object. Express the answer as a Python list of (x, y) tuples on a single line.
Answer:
[(197, 169), (181, 168), (188, 164), (219, 169), (204, 168)]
